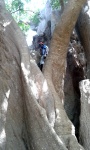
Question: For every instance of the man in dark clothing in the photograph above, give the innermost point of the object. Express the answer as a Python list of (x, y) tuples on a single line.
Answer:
[(43, 51)]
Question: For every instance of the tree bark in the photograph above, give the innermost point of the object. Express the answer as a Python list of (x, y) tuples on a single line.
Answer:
[(85, 113), (59, 44), (55, 64), (62, 5), (32, 116), (83, 26)]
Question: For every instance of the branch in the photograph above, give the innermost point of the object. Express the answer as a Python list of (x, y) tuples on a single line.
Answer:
[(27, 23), (20, 10), (62, 5)]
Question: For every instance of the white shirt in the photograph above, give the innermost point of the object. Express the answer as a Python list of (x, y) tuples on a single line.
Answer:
[(42, 60)]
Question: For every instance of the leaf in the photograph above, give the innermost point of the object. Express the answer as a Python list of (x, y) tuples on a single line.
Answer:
[(16, 8)]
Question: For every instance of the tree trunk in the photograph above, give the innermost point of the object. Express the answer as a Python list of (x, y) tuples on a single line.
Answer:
[(55, 64), (62, 5), (85, 114), (83, 26), (28, 106)]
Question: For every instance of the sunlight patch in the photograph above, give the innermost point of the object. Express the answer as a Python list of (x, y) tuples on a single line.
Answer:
[(6, 23), (34, 89), (30, 81), (7, 94), (4, 105), (88, 100), (73, 130), (86, 86), (58, 138), (2, 136), (32, 61), (45, 86), (57, 114), (87, 8), (26, 72), (52, 120)]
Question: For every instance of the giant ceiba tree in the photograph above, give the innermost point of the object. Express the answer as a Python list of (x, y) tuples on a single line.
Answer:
[(31, 110)]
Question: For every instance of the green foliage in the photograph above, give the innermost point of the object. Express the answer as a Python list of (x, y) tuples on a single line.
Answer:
[(35, 18), (24, 27), (17, 5), (16, 8), (56, 3), (22, 16)]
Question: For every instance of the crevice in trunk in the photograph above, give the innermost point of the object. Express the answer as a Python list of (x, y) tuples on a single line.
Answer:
[(75, 72)]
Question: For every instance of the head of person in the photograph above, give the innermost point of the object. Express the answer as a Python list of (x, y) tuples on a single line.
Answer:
[(41, 43)]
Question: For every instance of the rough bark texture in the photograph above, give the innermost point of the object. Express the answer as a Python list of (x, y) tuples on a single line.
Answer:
[(83, 25), (55, 65), (11, 94), (75, 72), (27, 104), (62, 5), (85, 114)]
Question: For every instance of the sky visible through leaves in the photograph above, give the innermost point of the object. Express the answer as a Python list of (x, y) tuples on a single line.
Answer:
[(34, 6), (30, 8)]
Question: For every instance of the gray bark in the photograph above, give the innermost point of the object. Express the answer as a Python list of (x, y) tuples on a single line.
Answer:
[(62, 5), (27, 103), (83, 26), (85, 114)]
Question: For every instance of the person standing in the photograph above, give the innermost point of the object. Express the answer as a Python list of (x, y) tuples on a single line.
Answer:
[(43, 52)]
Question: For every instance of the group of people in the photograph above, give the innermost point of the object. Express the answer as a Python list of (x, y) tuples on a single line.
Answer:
[(43, 52)]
